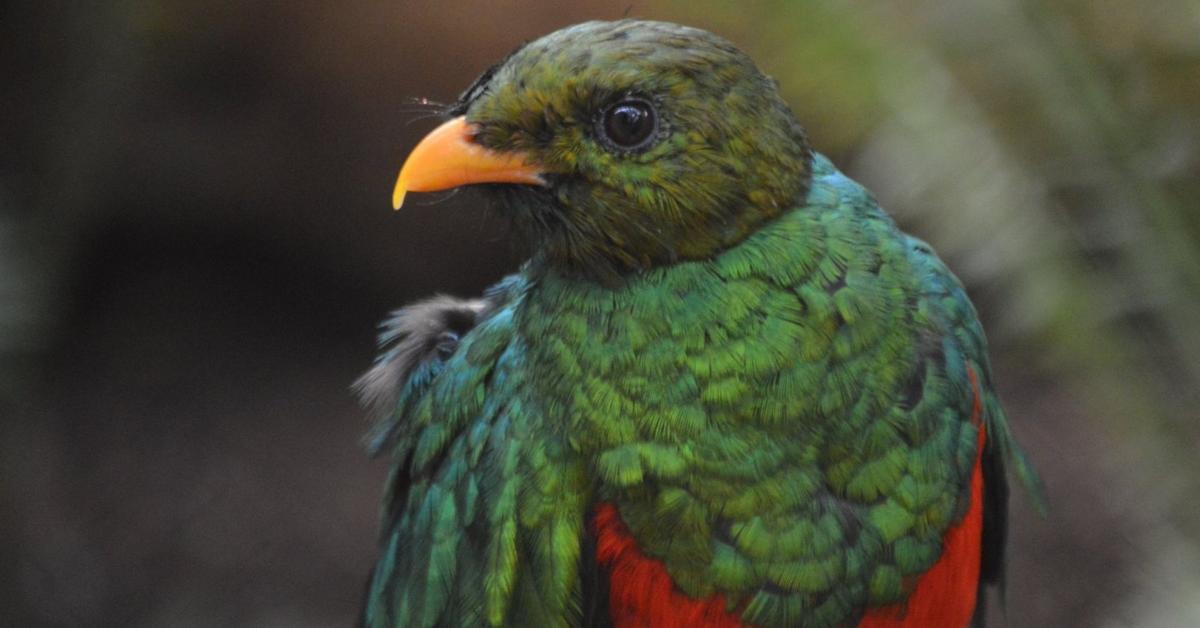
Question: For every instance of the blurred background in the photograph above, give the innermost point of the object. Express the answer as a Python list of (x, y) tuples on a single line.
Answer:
[(196, 244)]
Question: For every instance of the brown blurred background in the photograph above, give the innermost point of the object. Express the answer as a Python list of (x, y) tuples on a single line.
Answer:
[(196, 244)]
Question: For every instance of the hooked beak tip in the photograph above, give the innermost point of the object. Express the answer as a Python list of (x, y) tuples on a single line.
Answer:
[(398, 196)]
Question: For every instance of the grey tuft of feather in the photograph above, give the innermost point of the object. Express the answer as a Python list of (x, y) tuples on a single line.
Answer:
[(411, 336)]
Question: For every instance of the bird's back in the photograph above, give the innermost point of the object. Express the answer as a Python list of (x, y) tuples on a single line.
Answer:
[(788, 429)]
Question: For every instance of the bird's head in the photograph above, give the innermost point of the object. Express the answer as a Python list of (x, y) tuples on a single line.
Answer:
[(621, 146)]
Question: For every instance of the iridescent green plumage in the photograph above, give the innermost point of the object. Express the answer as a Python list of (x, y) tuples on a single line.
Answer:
[(722, 335)]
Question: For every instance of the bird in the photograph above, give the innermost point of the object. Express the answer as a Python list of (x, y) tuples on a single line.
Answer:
[(724, 389)]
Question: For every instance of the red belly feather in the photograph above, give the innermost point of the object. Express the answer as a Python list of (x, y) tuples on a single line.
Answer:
[(641, 594)]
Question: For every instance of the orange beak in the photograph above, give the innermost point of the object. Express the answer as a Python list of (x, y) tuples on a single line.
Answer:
[(449, 157)]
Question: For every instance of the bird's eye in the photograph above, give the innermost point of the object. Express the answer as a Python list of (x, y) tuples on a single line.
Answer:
[(629, 124)]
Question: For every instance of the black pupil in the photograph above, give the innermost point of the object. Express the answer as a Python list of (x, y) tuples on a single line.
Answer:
[(629, 123)]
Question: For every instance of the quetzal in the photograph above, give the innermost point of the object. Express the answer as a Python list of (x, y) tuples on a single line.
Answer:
[(724, 390)]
